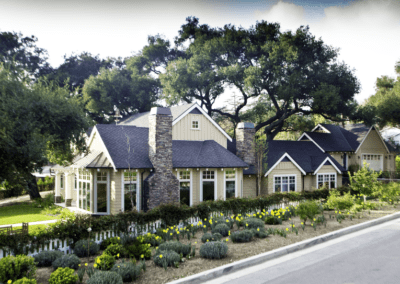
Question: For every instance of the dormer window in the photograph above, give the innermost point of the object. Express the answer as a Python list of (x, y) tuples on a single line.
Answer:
[(195, 124)]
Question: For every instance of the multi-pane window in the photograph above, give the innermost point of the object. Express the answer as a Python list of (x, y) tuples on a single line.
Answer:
[(230, 183), (101, 204), (102, 176), (130, 189), (285, 183), (208, 174), (84, 190), (76, 182), (195, 124), (327, 180), (62, 181), (184, 187), (208, 185)]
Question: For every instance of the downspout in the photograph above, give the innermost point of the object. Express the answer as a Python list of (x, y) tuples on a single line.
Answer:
[(141, 189)]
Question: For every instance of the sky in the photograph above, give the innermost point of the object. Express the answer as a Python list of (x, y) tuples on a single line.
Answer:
[(367, 32)]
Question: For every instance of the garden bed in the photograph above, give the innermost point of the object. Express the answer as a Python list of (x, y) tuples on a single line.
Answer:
[(238, 251)]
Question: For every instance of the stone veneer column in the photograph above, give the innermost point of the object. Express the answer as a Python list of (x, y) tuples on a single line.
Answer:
[(163, 184), (245, 133)]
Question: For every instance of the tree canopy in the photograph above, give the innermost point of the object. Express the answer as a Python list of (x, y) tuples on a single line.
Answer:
[(293, 73)]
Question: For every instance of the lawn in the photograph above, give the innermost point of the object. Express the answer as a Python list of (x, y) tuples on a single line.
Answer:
[(23, 212)]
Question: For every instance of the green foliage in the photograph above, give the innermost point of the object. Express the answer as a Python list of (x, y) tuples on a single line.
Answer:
[(46, 257), (389, 193), (16, 267), (81, 248), (63, 276), (105, 277), (242, 236), (222, 229), (207, 237), (104, 244), (260, 233), (128, 271), (68, 260), (271, 220), (335, 201), (25, 281), (176, 247), (253, 223), (308, 210), (166, 258), (151, 239), (105, 261), (115, 250), (214, 250), (365, 181), (138, 249)]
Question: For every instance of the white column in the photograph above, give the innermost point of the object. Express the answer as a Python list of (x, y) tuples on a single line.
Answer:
[(57, 184), (67, 186)]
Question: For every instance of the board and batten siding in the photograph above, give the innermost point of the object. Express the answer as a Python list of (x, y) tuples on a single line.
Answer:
[(115, 191), (207, 131), (328, 169), (373, 145), (249, 186), (285, 168), (338, 157)]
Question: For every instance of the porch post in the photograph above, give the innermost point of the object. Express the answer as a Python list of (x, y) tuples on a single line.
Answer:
[(57, 197), (68, 199)]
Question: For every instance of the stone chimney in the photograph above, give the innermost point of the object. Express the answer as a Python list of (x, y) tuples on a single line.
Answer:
[(245, 134), (163, 186)]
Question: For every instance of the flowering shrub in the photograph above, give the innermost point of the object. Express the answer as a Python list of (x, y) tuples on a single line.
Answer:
[(308, 210), (110, 241), (260, 233), (214, 250), (207, 237), (68, 260), (365, 181), (115, 250), (15, 267), (222, 229), (105, 277), (253, 223), (46, 257), (166, 258), (152, 239), (63, 276), (25, 281), (337, 202), (81, 248), (137, 250), (389, 193), (105, 261)]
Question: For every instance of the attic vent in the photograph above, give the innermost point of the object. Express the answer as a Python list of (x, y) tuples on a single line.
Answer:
[(328, 163), (286, 159), (195, 111)]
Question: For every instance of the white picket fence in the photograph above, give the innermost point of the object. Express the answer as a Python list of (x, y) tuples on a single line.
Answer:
[(63, 245)]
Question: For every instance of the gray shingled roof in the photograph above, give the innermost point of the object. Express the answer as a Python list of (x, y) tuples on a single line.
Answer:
[(142, 119), (308, 156), (185, 154)]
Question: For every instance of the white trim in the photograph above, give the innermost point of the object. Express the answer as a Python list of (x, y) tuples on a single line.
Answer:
[(323, 163), (329, 179), (137, 182), (67, 191), (178, 176), (56, 182), (290, 158), (214, 180), (361, 160), (230, 179), (191, 188), (319, 125), (195, 105), (104, 145), (122, 192), (287, 175), (198, 124), (347, 161), (305, 134), (138, 197), (379, 137)]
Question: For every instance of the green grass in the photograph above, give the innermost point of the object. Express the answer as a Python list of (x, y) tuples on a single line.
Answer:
[(33, 230), (23, 212)]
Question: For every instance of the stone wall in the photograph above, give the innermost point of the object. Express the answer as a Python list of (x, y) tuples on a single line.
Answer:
[(162, 186), (244, 142)]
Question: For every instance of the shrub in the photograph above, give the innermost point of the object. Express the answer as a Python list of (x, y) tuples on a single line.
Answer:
[(46, 257), (271, 220), (260, 233), (211, 237), (81, 248), (214, 250), (308, 210), (152, 239), (389, 192), (137, 250), (365, 181), (63, 276), (105, 261), (335, 201), (242, 236), (222, 229), (115, 250), (253, 223), (105, 277), (128, 271), (177, 247), (110, 241), (166, 258), (68, 260), (25, 281), (15, 267)]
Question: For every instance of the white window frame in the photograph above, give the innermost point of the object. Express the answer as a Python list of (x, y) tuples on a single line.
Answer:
[(90, 181), (123, 182), (75, 181), (230, 179), (198, 124), (95, 194), (186, 180), (329, 183), (214, 180), (62, 180), (382, 157), (288, 176)]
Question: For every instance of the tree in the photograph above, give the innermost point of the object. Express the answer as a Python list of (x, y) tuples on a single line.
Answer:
[(260, 147), (21, 53), (384, 106), (365, 181), (38, 122), (291, 72)]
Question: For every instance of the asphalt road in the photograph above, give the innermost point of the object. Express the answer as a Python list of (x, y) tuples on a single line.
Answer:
[(368, 256)]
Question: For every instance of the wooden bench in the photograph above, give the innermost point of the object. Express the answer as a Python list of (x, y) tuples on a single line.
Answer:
[(23, 231)]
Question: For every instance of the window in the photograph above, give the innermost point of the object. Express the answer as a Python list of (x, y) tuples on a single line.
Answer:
[(230, 183), (184, 187), (84, 192), (130, 190), (284, 183), (208, 185), (327, 180), (76, 182), (101, 198), (195, 124), (61, 181)]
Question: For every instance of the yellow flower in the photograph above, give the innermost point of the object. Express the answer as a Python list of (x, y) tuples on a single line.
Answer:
[(160, 255), (79, 265), (263, 210), (177, 232), (340, 212), (290, 219), (260, 217), (314, 219), (95, 265), (192, 225), (227, 221), (9, 281), (247, 225), (222, 214), (335, 212), (312, 224), (302, 223), (98, 261), (170, 234), (227, 240), (118, 255), (258, 229), (207, 240), (205, 219), (279, 217), (195, 243), (142, 256), (204, 226), (118, 238), (118, 266), (287, 229), (86, 263), (348, 213), (229, 233), (254, 215)]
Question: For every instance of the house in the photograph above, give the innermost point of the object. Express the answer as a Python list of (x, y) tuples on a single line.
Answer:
[(391, 135)]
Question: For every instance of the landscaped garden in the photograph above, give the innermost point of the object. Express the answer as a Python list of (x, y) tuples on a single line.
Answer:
[(226, 232)]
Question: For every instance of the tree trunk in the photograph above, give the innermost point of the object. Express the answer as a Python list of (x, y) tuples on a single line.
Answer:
[(33, 190)]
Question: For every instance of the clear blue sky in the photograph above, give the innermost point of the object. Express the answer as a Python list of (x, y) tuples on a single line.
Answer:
[(367, 32)]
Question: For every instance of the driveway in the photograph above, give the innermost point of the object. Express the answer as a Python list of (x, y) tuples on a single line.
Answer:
[(22, 198), (368, 256)]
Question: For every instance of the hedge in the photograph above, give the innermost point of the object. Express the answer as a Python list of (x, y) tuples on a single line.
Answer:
[(169, 214)]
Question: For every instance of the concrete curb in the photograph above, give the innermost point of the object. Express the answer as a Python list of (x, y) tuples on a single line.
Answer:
[(257, 259)]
